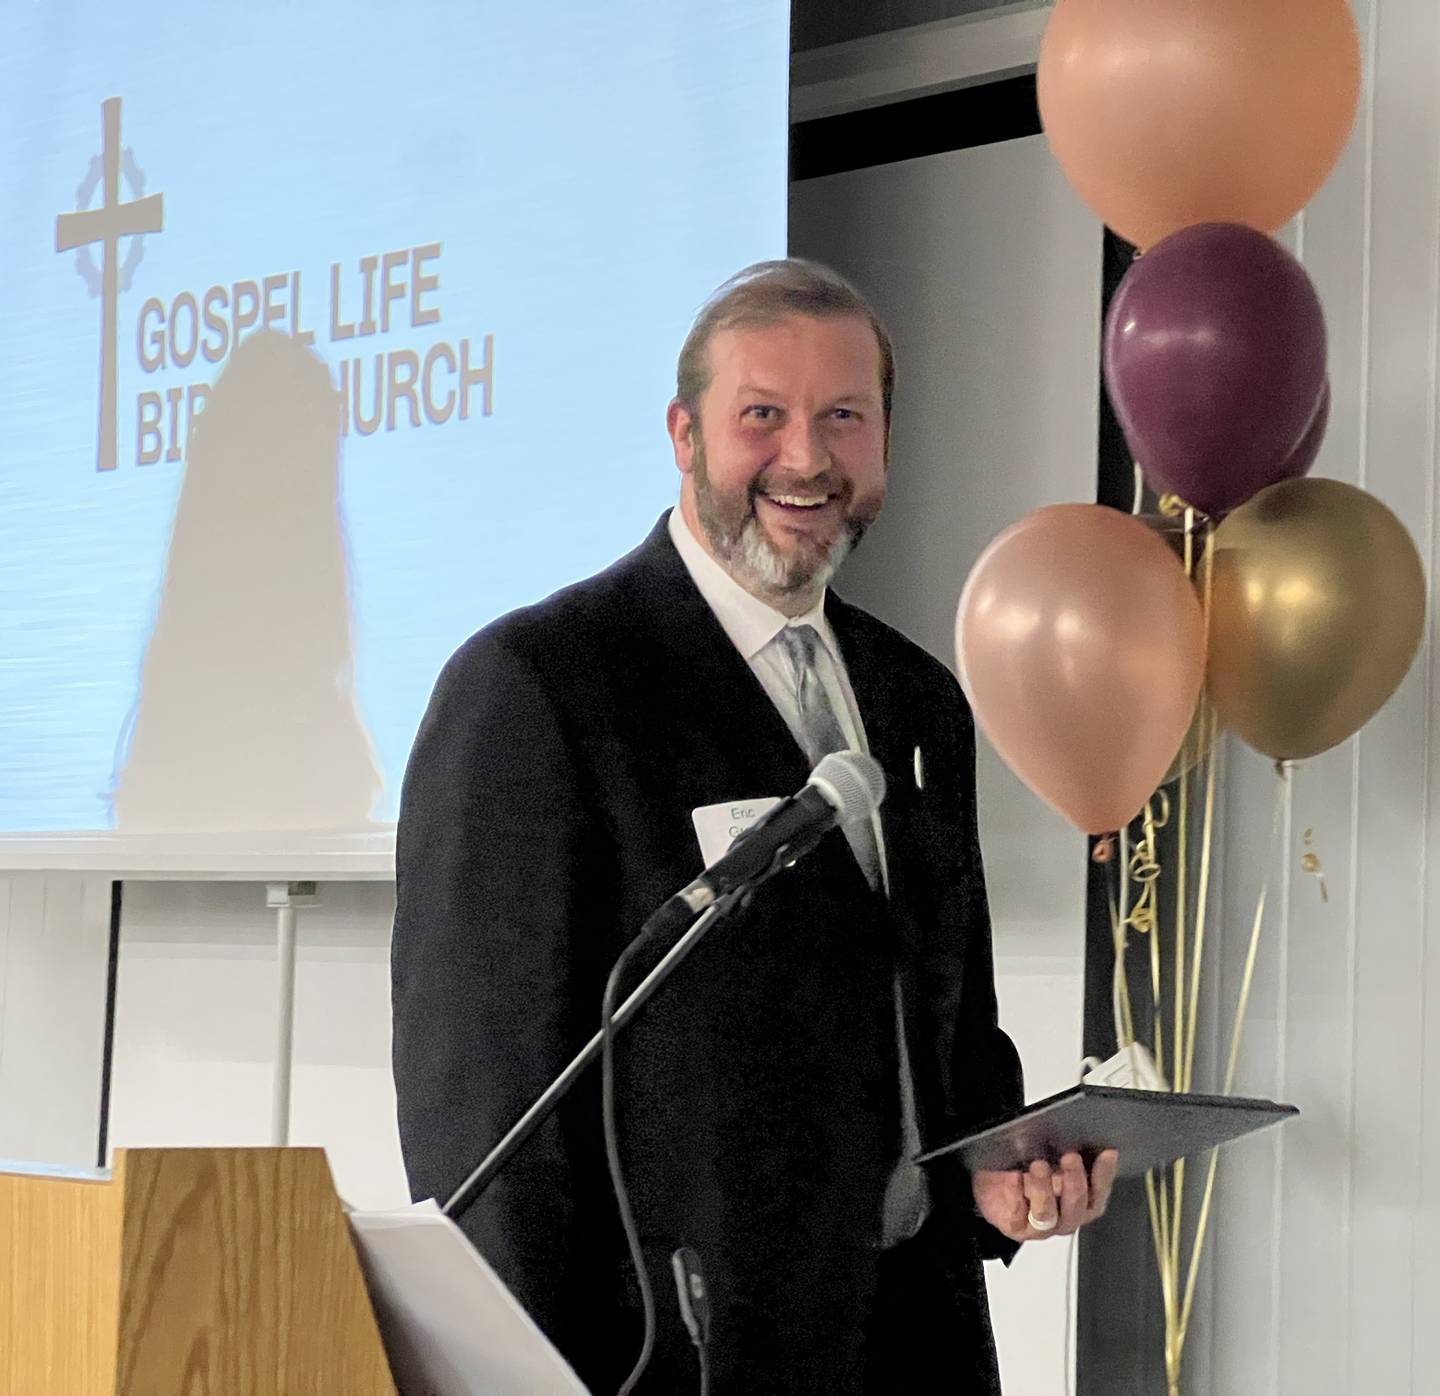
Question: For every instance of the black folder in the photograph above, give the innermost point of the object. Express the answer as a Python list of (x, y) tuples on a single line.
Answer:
[(1149, 1128)]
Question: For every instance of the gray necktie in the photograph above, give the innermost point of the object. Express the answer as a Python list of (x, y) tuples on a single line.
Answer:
[(819, 725), (906, 1196), (821, 733)]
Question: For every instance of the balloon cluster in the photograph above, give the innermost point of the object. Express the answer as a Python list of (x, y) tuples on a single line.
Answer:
[(1196, 131)]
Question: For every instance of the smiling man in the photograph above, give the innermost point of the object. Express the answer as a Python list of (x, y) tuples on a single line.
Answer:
[(772, 1097)]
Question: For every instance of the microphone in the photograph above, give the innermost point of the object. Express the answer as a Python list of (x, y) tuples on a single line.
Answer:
[(847, 786)]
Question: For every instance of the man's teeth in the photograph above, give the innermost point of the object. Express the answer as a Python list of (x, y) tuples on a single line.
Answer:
[(800, 501)]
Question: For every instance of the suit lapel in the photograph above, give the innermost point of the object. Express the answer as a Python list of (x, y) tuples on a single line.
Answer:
[(715, 703), (890, 729)]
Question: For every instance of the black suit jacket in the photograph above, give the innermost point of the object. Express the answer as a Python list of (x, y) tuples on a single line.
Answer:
[(545, 815)]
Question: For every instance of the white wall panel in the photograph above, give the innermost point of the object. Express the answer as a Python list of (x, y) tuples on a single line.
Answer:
[(54, 958)]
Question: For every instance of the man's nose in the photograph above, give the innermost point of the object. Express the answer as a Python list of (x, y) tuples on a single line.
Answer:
[(802, 450)]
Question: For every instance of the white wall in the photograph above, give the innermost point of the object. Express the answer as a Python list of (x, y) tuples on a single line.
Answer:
[(195, 1023), (987, 269), (54, 957), (1327, 1254), (195, 1026)]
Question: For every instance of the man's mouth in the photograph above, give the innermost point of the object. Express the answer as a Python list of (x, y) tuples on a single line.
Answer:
[(799, 503)]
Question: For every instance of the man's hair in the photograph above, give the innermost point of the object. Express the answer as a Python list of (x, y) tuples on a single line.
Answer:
[(765, 294)]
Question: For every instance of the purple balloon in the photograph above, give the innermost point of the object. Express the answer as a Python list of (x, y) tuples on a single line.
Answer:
[(1308, 451), (1215, 360)]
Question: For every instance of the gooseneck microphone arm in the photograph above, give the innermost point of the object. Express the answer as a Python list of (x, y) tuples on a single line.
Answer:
[(556, 1091)]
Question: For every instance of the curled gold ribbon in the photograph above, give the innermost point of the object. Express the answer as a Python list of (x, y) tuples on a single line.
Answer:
[(1144, 869), (1173, 506), (1310, 863)]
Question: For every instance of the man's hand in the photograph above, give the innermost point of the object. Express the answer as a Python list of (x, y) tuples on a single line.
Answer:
[(1063, 1197)]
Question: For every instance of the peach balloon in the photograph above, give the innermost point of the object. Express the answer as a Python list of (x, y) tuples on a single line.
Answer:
[(1081, 646), (1168, 113)]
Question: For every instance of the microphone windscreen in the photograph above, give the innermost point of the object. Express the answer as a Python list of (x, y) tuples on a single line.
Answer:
[(852, 782)]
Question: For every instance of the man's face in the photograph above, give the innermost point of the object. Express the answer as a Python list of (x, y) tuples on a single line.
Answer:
[(785, 467)]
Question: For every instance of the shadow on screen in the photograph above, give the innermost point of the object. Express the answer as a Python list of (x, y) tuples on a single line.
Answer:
[(246, 714)]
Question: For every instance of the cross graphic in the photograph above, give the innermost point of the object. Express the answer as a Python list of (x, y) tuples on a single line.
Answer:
[(108, 224)]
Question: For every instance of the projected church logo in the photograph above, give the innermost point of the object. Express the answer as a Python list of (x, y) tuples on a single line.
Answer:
[(113, 219), (375, 298)]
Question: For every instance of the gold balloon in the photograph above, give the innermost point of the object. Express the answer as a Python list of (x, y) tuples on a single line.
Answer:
[(1317, 608)]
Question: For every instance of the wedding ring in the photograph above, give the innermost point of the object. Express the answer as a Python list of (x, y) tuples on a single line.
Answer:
[(1037, 1225)]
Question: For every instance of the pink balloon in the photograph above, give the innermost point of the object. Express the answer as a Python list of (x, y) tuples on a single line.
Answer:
[(1081, 646)]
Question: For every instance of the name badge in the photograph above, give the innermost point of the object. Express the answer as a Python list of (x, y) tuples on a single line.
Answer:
[(718, 826)]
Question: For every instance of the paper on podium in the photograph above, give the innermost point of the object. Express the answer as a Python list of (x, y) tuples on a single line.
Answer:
[(450, 1326)]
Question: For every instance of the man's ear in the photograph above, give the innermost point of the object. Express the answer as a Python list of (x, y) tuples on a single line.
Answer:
[(680, 423)]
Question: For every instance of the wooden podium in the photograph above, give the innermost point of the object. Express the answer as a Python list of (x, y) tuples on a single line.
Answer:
[(188, 1272)]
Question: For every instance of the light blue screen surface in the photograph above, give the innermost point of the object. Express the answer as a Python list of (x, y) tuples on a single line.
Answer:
[(566, 182)]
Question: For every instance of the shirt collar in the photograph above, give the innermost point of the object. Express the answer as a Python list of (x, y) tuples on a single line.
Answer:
[(750, 623)]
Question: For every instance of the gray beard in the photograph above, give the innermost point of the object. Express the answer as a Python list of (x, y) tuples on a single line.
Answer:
[(756, 565), (791, 585)]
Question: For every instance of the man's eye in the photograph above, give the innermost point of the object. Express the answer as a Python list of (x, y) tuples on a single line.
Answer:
[(762, 412), (845, 414)]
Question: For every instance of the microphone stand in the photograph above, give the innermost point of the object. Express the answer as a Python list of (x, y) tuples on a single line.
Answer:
[(544, 1107)]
